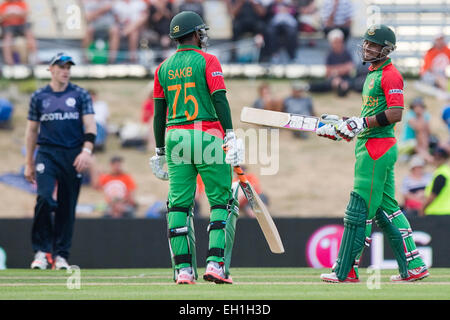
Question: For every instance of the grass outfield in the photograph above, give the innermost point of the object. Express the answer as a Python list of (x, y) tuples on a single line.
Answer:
[(249, 284)]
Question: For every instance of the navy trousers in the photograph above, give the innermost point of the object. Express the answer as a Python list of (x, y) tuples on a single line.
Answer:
[(54, 219)]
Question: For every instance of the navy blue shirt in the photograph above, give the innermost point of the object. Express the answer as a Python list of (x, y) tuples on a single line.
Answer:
[(60, 115)]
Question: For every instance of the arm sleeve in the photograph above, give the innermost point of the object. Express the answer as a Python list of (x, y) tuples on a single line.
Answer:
[(438, 184), (392, 85), (33, 112), (214, 75), (159, 122), (86, 103), (222, 109)]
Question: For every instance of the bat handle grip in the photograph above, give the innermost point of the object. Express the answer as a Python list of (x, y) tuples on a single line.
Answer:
[(240, 173)]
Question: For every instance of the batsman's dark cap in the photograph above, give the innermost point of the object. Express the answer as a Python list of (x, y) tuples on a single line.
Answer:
[(61, 59), (116, 159)]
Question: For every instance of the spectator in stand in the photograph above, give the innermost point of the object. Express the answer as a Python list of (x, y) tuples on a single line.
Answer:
[(446, 119), (282, 29), (337, 14), (248, 17), (148, 110), (118, 188), (298, 102), (309, 17), (101, 110), (266, 99), (436, 60), (193, 5), (339, 67), (413, 186), (415, 136), (438, 191), (13, 20), (131, 16), (160, 15), (101, 20)]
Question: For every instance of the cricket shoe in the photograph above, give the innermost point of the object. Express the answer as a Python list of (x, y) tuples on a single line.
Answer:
[(413, 275), (215, 273), (41, 260), (60, 263), (185, 276), (331, 277)]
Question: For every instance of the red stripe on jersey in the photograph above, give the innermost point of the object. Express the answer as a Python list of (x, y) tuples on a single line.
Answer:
[(213, 72), (392, 85), (212, 127), (377, 147), (158, 91)]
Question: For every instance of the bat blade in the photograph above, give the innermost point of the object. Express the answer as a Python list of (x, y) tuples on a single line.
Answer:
[(262, 215), (280, 119)]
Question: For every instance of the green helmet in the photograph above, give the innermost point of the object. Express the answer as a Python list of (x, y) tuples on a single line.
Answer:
[(184, 23), (380, 34), (383, 36)]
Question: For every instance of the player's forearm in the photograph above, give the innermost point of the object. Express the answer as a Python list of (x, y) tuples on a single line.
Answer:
[(222, 109), (90, 132), (31, 134), (159, 122), (385, 118)]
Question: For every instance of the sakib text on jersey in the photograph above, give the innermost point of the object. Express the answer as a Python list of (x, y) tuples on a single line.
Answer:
[(180, 73)]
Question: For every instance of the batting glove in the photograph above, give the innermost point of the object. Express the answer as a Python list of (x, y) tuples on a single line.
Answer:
[(234, 149), (157, 163), (351, 127), (328, 130)]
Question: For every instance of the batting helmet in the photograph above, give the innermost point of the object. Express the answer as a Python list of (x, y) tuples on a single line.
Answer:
[(185, 23), (383, 36)]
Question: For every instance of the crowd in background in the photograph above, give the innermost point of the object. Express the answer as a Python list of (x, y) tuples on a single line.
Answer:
[(275, 26)]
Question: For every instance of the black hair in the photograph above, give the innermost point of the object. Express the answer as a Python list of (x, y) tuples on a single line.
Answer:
[(185, 38)]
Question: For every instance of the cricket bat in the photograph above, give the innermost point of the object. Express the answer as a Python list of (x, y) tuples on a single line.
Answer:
[(282, 119), (263, 217)]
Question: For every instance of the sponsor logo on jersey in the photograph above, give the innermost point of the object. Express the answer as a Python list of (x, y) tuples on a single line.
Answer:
[(217, 74), (59, 116), (370, 101), (400, 91), (372, 83), (70, 102)]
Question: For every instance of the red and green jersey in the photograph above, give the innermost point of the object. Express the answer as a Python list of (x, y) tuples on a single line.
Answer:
[(187, 80), (383, 89)]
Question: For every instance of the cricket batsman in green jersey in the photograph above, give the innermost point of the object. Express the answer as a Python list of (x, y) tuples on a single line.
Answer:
[(373, 195), (193, 127)]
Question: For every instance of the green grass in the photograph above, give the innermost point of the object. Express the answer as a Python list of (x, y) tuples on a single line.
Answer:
[(249, 283)]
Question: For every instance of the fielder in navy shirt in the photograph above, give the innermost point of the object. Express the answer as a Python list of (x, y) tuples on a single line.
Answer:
[(61, 122)]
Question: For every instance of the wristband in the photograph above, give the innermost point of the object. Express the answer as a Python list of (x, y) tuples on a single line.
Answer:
[(382, 119), (90, 137), (160, 151), (87, 150)]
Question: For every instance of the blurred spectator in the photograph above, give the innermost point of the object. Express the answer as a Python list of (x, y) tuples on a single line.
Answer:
[(160, 14), (435, 62), (413, 186), (248, 17), (266, 99), (299, 103), (193, 5), (337, 14), (131, 15), (118, 188), (282, 29), (101, 109), (101, 24), (438, 191), (415, 136), (309, 17), (6, 113), (339, 67), (14, 23), (148, 110), (244, 207), (446, 119)]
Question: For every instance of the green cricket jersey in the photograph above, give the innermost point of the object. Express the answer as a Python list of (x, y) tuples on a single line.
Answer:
[(383, 89), (187, 81)]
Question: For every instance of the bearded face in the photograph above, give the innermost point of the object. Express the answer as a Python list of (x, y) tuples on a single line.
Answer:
[(371, 51)]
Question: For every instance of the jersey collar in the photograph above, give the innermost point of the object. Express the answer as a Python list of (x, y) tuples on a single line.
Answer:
[(387, 62), (183, 47)]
